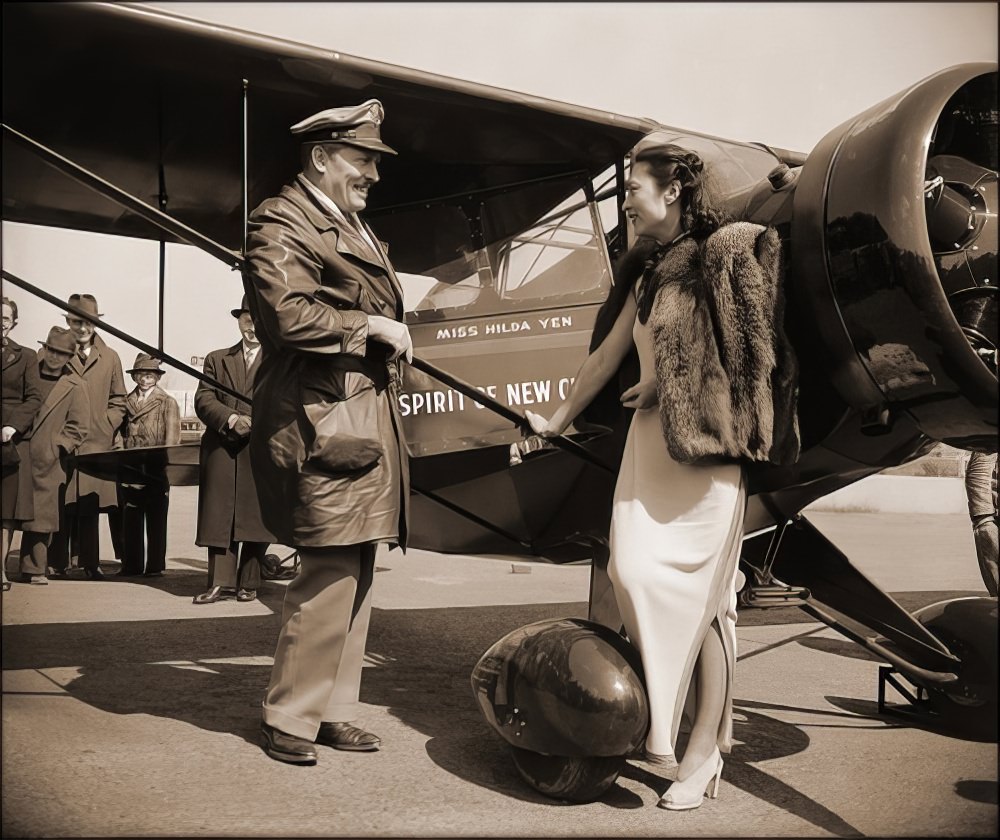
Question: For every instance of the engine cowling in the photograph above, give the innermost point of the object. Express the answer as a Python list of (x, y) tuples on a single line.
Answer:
[(894, 235)]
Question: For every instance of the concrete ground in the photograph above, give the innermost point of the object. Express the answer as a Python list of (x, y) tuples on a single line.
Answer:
[(129, 711)]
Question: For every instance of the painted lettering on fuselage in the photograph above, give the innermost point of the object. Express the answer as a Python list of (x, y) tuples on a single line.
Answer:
[(458, 332)]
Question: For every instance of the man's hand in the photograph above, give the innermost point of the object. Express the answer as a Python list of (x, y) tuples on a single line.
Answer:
[(8, 433), (242, 425), (393, 333), (642, 395)]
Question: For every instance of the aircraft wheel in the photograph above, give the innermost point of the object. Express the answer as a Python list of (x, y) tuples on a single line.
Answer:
[(271, 567), (568, 778), (968, 626)]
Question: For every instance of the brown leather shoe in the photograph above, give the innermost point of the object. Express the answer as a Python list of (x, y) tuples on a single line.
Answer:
[(216, 593), (344, 736), (245, 595), (288, 748)]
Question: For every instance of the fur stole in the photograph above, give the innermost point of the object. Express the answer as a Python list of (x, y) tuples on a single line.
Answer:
[(727, 377)]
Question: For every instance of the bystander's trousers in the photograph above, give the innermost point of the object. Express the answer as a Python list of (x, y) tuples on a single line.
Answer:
[(144, 508), (34, 555), (237, 566), (321, 646), (78, 543), (116, 525)]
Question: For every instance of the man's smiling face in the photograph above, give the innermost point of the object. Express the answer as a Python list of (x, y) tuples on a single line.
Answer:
[(347, 175)]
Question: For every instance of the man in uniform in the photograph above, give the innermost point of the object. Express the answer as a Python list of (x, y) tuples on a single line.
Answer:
[(228, 509), (326, 443)]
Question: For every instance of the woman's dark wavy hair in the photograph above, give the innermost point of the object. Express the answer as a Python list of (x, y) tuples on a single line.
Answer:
[(668, 163)]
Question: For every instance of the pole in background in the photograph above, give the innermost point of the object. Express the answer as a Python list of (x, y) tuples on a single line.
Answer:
[(246, 164)]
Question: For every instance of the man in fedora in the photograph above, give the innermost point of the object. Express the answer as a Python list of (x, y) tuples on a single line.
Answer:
[(229, 520), (152, 418), (327, 442), (88, 495), (59, 428)]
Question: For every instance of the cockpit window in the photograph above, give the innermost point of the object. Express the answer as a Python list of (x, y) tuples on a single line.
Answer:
[(561, 260)]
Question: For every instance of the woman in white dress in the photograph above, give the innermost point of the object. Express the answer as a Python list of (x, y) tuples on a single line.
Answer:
[(680, 497)]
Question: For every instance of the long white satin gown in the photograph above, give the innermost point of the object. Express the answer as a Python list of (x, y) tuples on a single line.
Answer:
[(676, 531)]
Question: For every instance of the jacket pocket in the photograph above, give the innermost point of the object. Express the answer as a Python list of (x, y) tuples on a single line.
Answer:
[(340, 409)]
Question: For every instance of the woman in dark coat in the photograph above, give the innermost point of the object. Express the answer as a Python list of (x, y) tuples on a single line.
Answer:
[(60, 427), (20, 397)]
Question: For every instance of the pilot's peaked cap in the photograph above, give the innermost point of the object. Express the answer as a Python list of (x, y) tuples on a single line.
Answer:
[(353, 125)]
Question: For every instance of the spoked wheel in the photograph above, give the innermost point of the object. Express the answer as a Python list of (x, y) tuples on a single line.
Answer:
[(968, 626), (568, 778), (273, 567)]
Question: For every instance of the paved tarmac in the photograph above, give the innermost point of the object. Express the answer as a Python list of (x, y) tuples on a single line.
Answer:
[(129, 711)]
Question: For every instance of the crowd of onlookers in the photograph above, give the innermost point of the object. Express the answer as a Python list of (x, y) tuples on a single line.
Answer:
[(70, 398)]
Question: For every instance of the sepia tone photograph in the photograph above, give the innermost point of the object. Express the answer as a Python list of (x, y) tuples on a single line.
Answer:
[(448, 419)]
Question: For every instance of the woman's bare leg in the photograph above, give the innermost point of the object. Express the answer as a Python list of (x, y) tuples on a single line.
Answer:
[(710, 672)]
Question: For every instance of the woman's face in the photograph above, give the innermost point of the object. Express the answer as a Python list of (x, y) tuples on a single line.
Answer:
[(654, 211)]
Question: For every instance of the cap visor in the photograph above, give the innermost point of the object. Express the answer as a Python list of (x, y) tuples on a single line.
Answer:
[(371, 144)]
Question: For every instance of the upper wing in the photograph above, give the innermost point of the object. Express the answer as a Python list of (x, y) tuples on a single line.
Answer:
[(153, 103)]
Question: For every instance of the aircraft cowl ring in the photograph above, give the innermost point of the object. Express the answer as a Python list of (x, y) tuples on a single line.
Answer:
[(894, 228)]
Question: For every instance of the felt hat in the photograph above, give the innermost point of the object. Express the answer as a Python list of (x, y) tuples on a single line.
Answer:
[(243, 308), (86, 303), (61, 340), (144, 363)]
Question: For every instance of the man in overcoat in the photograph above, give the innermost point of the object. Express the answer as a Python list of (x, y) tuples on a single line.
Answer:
[(229, 520), (59, 428), (88, 495), (152, 418), (327, 444)]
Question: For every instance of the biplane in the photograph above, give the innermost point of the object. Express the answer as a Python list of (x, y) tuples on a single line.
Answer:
[(503, 215)]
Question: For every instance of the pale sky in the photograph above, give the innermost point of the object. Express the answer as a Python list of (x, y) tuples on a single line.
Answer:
[(780, 73)]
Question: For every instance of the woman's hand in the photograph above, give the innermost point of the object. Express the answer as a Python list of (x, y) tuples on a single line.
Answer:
[(539, 425), (642, 395)]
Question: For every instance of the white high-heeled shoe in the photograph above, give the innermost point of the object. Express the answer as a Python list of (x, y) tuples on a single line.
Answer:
[(690, 793)]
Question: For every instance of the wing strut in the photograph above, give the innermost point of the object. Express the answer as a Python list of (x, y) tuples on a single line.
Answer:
[(124, 199), (464, 388), (117, 333), (245, 177), (162, 201)]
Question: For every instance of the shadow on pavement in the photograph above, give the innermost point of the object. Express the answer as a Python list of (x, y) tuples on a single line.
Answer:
[(422, 659), (899, 715), (757, 738), (977, 790), (171, 669), (838, 647)]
